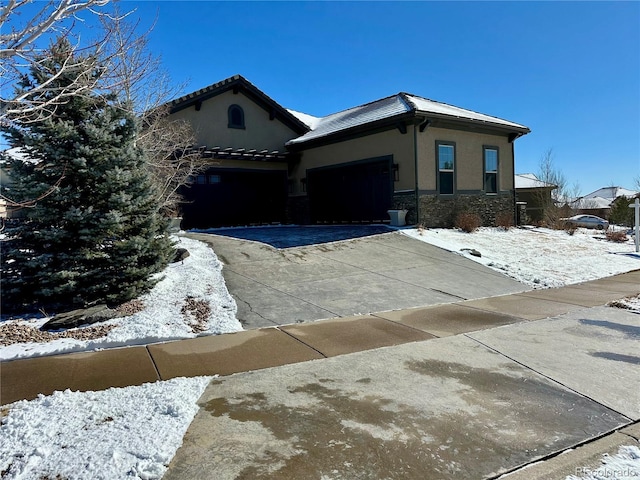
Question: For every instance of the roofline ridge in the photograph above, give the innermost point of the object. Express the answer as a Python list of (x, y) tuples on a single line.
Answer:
[(466, 109), (242, 81), (362, 105), (405, 98)]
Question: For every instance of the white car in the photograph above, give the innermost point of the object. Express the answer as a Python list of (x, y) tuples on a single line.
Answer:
[(586, 221)]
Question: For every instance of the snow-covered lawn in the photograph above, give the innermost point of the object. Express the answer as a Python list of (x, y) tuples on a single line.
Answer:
[(539, 257), (198, 277), (134, 432), (129, 432)]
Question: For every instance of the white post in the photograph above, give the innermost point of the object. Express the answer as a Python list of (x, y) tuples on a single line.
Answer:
[(636, 205)]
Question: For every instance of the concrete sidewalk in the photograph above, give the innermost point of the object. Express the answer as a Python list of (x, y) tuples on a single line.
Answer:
[(473, 389), (270, 347)]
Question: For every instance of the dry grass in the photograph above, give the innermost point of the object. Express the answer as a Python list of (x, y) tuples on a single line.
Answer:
[(617, 237), (130, 308), (504, 220), (468, 222), (197, 313), (19, 333)]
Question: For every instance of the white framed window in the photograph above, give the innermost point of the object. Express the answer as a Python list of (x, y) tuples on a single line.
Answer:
[(446, 159), (490, 169)]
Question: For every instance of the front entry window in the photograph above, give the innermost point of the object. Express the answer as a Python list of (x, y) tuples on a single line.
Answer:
[(490, 170), (446, 168)]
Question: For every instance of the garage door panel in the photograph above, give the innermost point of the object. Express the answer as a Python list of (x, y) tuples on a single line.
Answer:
[(359, 192), (240, 197)]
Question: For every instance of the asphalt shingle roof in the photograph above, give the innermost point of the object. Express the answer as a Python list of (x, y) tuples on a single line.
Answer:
[(396, 105)]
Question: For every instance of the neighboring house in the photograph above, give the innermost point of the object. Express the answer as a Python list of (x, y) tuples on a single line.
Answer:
[(533, 194), (4, 182), (599, 202), (7, 209), (269, 164)]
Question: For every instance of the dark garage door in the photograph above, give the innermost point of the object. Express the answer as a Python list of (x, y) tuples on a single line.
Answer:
[(225, 197), (356, 192)]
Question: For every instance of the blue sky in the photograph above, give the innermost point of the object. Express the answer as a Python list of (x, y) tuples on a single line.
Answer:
[(570, 71)]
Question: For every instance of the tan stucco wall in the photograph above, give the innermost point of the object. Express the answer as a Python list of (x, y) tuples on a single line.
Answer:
[(390, 142), (211, 124), (469, 169)]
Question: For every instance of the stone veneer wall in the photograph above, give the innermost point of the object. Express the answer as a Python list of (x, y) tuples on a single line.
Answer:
[(438, 211), (405, 201)]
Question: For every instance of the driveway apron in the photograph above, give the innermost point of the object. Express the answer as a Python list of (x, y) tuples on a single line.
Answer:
[(372, 274)]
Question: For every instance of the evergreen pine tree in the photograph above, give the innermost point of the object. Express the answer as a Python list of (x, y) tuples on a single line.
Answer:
[(94, 234), (620, 213)]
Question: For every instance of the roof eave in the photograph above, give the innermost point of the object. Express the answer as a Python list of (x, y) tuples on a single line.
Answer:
[(519, 129), (238, 83)]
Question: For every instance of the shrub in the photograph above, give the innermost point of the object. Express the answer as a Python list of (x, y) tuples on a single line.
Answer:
[(570, 228), (618, 237), (504, 220), (468, 222)]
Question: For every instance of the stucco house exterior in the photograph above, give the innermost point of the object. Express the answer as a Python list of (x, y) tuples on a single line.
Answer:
[(273, 165), (533, 194)]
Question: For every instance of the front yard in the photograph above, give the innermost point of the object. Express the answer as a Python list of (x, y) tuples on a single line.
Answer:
[(135, 431)]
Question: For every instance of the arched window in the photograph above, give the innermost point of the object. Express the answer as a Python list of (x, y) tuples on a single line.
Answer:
[(236, 116)]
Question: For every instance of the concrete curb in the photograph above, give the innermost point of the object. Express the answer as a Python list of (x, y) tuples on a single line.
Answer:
[(273, 346)]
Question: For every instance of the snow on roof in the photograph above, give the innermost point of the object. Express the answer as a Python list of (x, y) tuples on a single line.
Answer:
[(611, 193), (592, 203), (431, 106), (356, 116), (529, 180), (17, 153), (392, 106), (309, 120)]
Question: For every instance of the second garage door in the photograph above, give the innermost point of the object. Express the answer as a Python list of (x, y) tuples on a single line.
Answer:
[(227, 197), (355, 192)]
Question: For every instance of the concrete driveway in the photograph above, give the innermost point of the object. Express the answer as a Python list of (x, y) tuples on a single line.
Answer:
[(372, 274)]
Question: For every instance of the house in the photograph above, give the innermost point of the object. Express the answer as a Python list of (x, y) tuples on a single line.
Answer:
[(8, 209), (273, 165), (599, 202), (533, 195)]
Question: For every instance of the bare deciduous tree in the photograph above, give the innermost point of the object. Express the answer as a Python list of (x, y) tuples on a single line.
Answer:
[(561, 201), (172, 158), (128, 70), (143, 85), (22, 39)]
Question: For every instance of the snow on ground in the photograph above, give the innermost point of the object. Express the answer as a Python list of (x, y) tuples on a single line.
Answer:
[(134, 432), (198, 276), (129, 432), (630, 303), (625, 465), (538, 257)]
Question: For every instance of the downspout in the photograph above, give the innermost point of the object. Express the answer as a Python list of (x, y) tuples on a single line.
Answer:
[(512, 140), (415, 161), (513, 169)]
